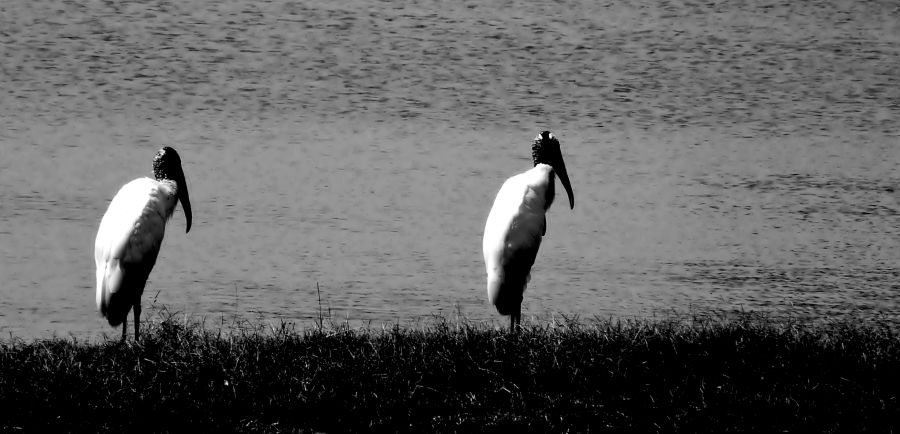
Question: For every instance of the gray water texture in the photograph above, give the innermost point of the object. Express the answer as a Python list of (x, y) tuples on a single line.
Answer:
[(726, 157)]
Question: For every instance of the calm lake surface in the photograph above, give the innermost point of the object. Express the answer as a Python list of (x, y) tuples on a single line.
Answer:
[(725, 156)]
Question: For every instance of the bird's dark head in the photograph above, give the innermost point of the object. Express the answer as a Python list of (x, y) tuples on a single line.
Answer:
[(167, 166), (545, 150)]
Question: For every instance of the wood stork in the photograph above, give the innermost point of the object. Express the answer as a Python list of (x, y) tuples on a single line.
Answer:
[(130, 234), (516, 224)]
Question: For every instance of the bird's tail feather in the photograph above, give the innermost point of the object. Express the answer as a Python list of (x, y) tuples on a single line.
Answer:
[(507, 298), (117, 293), (507, 284)]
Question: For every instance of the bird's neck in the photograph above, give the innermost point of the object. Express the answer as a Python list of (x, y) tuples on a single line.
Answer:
[(544, 183), (169, 186), (551, 190)]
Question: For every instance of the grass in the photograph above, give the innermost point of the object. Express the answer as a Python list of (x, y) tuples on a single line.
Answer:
[(745, 375)]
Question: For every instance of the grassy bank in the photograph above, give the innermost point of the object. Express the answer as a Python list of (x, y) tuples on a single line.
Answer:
[(712, 376)]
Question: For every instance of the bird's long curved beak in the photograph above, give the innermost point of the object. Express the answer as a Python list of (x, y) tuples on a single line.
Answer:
[(560, 168), (185, 199)]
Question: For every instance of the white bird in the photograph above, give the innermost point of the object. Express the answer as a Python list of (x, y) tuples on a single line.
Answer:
[(516, 224), (130, 235)]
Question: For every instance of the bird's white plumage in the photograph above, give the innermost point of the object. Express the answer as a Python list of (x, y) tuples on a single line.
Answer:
[(128, 242), (512, 235)]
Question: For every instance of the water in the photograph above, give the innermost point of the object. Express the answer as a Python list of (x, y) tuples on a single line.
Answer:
[(724, 157)]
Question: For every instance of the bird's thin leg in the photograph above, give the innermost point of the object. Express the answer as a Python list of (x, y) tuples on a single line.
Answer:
[(137, 320), (124, 327), (515, 320)]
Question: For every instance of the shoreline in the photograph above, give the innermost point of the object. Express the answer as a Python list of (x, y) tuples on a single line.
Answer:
[(750, 374)]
